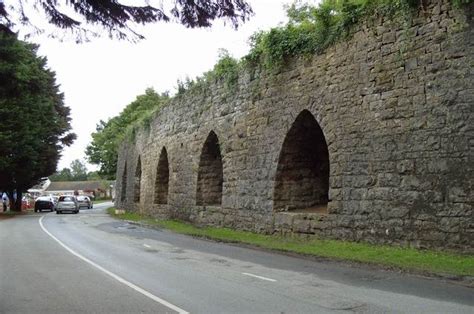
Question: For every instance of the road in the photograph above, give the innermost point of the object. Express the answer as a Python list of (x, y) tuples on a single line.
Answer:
[(91, 263)]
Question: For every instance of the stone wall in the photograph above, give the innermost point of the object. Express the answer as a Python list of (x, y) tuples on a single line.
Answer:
[(370, 141)]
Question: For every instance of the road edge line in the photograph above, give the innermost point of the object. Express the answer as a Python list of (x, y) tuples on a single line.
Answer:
[(259, 277), (113, 275)]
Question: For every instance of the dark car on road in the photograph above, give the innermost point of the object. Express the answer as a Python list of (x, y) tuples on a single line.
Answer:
[(67, 203), (44, 203)]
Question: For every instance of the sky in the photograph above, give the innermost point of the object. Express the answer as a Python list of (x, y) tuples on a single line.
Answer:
[(103, 76)]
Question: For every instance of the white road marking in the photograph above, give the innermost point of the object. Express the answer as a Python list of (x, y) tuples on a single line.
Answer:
[(259, 277), (147, 246), (111, 274)]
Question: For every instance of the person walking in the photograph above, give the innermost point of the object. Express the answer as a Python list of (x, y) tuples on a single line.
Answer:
[(5, 202)]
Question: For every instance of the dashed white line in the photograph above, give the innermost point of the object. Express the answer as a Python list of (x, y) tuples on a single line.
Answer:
[(259, 277), (147, 246), (111, 274)]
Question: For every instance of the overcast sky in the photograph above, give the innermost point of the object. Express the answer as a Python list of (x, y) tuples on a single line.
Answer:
[(101, 77)]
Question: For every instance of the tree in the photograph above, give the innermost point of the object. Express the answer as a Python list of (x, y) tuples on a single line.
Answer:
[(93, 176), (80, 173), (34, 122), (116, 18), (63, 175), (78, 170), (103, 149)]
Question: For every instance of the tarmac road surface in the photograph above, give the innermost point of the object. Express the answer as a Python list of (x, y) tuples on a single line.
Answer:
[(91, 263)]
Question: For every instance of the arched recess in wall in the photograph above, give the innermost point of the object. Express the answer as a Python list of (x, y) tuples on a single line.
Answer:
[(137, 181), (210, 173), (123, 191), (162, 178), (302, 177)]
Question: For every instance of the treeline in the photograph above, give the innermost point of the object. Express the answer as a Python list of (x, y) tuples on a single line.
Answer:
[(109, 134), (77, 171)]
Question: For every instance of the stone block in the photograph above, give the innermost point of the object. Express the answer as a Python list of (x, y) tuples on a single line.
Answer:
[(411, 64), (458, 194), (283, 220), (301, 226), (395, 212), (406, 166)]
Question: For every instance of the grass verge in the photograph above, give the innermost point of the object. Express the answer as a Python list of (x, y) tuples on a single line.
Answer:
[(426, 261), (102, 201), (10, 214)]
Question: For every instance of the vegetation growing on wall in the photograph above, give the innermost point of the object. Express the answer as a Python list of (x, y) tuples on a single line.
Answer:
[(310, 30), (226, 70), (108, 136)]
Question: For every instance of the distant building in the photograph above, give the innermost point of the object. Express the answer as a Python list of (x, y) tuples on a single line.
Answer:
[(38, 189), (95, 188)]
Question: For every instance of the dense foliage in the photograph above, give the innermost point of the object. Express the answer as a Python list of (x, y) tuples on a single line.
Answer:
[(312, 29), (64, 174), (226, 70), (105, 141), (116, 17), (77, 171), (34, 122)]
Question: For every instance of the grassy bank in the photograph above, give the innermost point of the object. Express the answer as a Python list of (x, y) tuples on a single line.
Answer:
[(10, 214), (102, 201), (426, 261)]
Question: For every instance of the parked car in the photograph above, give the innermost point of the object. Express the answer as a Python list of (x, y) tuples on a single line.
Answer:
[(67, 203), (44, 203), (84, 201), (55, 200)]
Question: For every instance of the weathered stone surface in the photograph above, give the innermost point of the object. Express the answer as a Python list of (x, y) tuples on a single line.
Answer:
[(387, 115)]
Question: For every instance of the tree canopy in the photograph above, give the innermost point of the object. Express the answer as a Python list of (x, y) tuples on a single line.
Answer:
[(77, 171), (34, 122), (108, 136), (64, 174), (118, 18)]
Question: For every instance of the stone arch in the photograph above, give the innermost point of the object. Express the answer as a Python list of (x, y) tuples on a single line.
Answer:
[(302, 177), (123, 191), (137, 182), (162, 178), (210, 173)]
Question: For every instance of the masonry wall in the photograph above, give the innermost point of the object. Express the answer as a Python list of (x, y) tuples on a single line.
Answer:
[(395, 104)]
